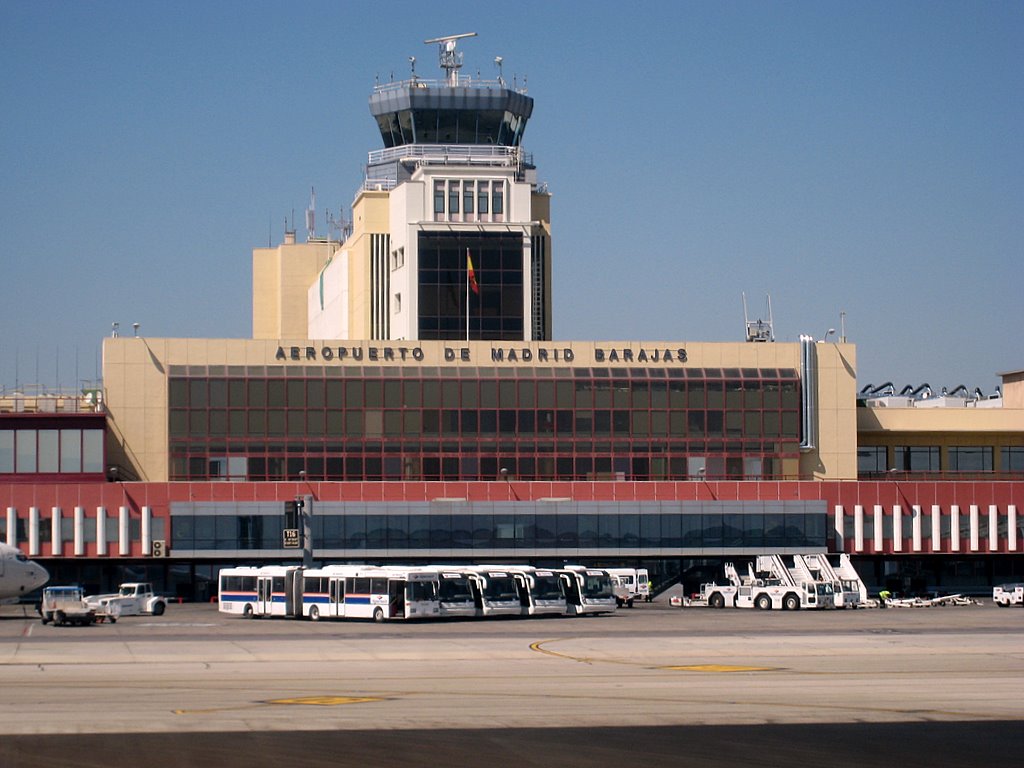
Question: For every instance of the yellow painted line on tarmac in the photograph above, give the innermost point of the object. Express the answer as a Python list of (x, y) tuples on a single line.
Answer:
[(326, 701), (318, 701), (539, 648), (719, 668)]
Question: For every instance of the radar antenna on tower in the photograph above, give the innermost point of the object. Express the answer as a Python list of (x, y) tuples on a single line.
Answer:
[(449, 58), (311, 215), (759, 330)]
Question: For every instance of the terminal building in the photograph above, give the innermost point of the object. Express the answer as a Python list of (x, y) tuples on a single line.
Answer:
[(404, 385)]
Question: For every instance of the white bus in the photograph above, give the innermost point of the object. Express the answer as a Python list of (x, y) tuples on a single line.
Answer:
[(588, 590), (495, 591), (541, 590), (369, 592), (269, 590), (454, 591)]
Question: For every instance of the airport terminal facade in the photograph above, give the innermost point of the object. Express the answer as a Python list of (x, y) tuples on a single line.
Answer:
[(403, 383)]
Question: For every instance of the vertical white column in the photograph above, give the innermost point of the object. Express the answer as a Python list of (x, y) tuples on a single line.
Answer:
[(839, 524), (879, 533), (954, 528), (147, 516), (897, 528), (55, 530), (124, 544), (101, 531), (858, 528), (974, 528), (916, 532), (12, 526), (936, 528), (79, 531), (33, 531), (1011, 527), (993, 528)]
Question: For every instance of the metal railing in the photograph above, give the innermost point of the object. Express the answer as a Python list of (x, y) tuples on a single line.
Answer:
[(451, 153), (464, 82)]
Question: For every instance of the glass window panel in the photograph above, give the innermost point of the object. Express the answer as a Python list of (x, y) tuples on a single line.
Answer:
[(462, 531), (49, 458), (25, 450), (7, 451), (71, 450), (567, 531), (92, 450), (197, 393)]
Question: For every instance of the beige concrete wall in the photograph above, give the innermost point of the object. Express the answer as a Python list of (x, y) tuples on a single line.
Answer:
[(1013, 389), (281, 278), (836, 455), (938, 421), (369, 216)]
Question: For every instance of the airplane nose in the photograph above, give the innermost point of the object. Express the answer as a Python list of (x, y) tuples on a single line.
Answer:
[(39, 577)]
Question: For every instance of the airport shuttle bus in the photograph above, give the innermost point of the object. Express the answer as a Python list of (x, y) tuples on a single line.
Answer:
[(541, 590), (269, 590), (588, 590), (454, 592), (369, 592), (495, 592)]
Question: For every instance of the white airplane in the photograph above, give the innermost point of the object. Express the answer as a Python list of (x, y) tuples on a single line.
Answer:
[(18, 574)]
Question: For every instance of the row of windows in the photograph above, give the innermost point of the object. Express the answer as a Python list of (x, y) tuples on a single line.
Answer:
[(358, 532), (945, 526), (469, 200), (453, 306), (451, 126), (410, 424), (91, 529), (46, 451), (876, 460), (354, 466), (428, 373), (398, 393)]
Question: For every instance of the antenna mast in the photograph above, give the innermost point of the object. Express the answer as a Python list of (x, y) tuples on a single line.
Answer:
[(759, 330), (448, 57), (311, 216)]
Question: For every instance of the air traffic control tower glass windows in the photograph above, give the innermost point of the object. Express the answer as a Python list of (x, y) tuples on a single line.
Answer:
[(490, 306), (381, 422)]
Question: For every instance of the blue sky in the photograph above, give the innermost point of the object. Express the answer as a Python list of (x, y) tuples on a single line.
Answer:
[(860, 158)]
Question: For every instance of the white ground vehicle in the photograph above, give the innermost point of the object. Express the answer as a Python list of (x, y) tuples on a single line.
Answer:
[(629, 585), (369, 592), (781, 587), (131, 599), (454, 592), (269, 590), (588, 590), (1006, 595), (541, 590), (66, 605), (495, 591)]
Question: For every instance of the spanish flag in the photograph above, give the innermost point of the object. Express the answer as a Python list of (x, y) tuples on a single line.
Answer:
[(471, 275)]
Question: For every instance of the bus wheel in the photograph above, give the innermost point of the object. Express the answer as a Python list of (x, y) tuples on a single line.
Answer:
[(247, 612), (791, 602), (314, 613), (378, 614)]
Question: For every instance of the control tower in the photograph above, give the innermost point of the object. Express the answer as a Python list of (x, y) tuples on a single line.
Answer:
[(450, 234)]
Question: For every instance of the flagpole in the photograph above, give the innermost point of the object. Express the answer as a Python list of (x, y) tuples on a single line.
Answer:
[(467, 294)]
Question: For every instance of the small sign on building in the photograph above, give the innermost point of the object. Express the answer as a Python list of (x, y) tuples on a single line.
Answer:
[(291, 538)]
